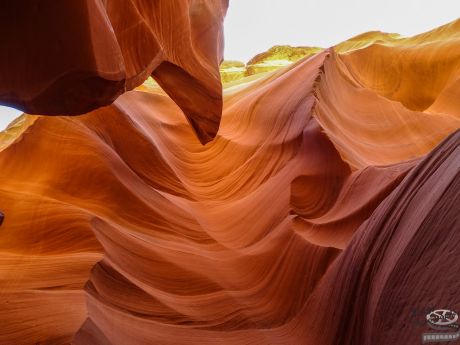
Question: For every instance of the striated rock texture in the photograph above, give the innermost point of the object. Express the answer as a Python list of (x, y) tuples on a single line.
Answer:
[(325, 209), (70, 57), (404, 257)]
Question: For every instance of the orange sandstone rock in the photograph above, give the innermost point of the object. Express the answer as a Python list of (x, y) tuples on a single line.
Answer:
[(68, 58), (323, 210)]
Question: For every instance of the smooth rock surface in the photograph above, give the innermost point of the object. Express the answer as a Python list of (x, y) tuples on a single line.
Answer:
[(325, 208), (71, 57)]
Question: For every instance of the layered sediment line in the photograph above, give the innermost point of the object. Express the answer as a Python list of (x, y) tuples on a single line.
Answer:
[(323, 210), (398, 260)]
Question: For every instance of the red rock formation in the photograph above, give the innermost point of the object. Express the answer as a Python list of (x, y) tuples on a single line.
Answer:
[(67, 58), (403, 258), (320, 214)]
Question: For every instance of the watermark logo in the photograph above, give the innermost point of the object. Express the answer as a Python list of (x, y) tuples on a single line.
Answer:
[(443, 321)]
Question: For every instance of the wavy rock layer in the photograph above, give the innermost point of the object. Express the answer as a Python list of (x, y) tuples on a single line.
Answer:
[(323, 210), (409, 263), (87, 52)]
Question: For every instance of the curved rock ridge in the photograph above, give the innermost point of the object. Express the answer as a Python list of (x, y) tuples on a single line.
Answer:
[(381, 286), (71, 57), (395, 67), (370, 129), (323, 211)]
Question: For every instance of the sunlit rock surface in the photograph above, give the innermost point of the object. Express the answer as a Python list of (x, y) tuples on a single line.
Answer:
[(325, 208), (273, 59), (232, 70), (278, 56)]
